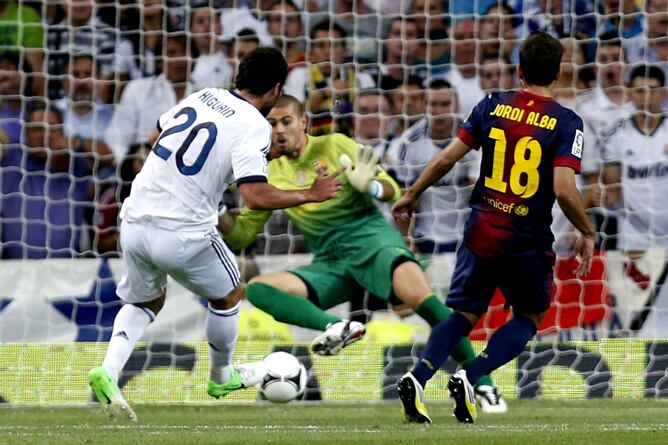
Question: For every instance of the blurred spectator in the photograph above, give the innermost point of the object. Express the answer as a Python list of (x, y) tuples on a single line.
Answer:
[(397, 55), (372, 110), (608, 101), (408, 105), (234, 20), (432, 55), (21, 32), (464, 74), (497, 32), (44, 191), (356, 18), (574, 79), (78, 32), (623, 17), (287, 30), (145, 99), (327, 85), (636, 165), (105, 221), (12, 84), (496, 73), (651, 46), (212, 68), (559, 18), (84, 115), (245, 42), (443, 207)]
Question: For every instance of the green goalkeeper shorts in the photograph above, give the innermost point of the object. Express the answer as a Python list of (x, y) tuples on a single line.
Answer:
[(354, 268)]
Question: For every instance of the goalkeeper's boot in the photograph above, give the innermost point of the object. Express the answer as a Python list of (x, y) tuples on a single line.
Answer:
[(337, 336), (462, 391), (489, 399), (107, 392), (243, 376), (412, 400)]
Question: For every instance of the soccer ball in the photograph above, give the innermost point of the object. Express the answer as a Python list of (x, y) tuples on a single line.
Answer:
[(285, 379)]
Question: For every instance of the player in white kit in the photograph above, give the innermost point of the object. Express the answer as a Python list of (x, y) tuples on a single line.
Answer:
[(213, 138)]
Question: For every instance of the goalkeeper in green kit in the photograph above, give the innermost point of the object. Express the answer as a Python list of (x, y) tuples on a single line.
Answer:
[(354, 246)]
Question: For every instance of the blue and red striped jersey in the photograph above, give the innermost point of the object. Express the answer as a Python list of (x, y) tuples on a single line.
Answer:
[(523, 136)]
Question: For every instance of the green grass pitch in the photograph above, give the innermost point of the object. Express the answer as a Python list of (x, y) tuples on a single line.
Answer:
[(608, 422)]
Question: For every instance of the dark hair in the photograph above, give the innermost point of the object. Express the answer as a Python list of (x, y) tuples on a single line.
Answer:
[(648, 71), (437, 84), (540, 58), (286, 101), (515, 19), (260, 70), (247, 35), (327, 25), (415, 81), (39, 104), (610, 38)]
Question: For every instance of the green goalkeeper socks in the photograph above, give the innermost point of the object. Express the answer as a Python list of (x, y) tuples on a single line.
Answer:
[(288, 308), (432, 310)]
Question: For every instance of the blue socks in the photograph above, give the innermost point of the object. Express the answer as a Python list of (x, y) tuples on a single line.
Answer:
[(507, 343), (442, 341)]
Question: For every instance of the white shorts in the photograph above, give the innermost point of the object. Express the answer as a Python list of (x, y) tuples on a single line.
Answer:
[(199, 261)]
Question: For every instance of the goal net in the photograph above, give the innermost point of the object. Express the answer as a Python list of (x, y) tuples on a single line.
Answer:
[(82, 84)]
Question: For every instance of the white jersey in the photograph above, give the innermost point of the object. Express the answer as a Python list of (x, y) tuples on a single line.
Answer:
[(443, 207), (643, 159), (210, 140)]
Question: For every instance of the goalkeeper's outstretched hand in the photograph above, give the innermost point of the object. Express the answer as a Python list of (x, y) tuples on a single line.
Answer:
[(361, 174)]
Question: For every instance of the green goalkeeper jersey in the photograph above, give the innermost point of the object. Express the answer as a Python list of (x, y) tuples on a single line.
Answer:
[(325, 225)]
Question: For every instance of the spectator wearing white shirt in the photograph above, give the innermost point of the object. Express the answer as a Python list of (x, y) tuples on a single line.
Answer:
[(443, 208), (212, 68), (372, 110), (144, 100), (652, 45), (464, 74), (136, 57), (84, 116)]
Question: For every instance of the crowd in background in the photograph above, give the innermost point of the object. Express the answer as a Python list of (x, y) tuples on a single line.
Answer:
[(83, 82)]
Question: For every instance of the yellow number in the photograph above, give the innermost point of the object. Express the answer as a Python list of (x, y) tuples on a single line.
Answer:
[(496, 181), (529, 167), (521, 166)]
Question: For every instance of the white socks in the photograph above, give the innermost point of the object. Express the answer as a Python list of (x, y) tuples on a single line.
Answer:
[(222, 327), (129, 325)]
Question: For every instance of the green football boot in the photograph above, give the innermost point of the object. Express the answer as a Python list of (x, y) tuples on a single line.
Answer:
[(109, 395)]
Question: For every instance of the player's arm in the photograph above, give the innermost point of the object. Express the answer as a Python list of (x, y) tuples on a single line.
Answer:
[(439, 166), (612, 178), (570, 202), (241, 230), (261, 195)]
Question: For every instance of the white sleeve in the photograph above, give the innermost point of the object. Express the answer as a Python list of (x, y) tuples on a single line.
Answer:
[(610, 146), (249, 154), (365, 81), (591, 155), (295, 85), (124, 59)]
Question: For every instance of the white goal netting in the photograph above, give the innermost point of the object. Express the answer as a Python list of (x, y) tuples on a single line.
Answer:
[(83, 82)]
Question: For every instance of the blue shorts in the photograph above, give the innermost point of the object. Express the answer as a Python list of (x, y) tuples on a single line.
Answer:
[(526, 282)]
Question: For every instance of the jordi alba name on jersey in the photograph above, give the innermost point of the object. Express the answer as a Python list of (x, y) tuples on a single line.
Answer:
[(211, 139), (523, 136)]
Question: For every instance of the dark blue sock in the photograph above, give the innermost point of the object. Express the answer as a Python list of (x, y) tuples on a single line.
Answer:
[(442, 341), (506, 344)]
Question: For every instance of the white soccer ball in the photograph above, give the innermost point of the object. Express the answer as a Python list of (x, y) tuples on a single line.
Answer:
[(285, 379)]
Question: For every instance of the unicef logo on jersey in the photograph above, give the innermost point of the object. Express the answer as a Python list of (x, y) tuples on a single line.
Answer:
[(521, 210)]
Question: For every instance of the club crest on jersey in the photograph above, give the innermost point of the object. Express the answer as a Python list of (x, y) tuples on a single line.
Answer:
[(578, 143), (320, 166)]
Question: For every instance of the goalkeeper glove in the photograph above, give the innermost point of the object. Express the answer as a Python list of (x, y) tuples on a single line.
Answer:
[(361, 176)]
